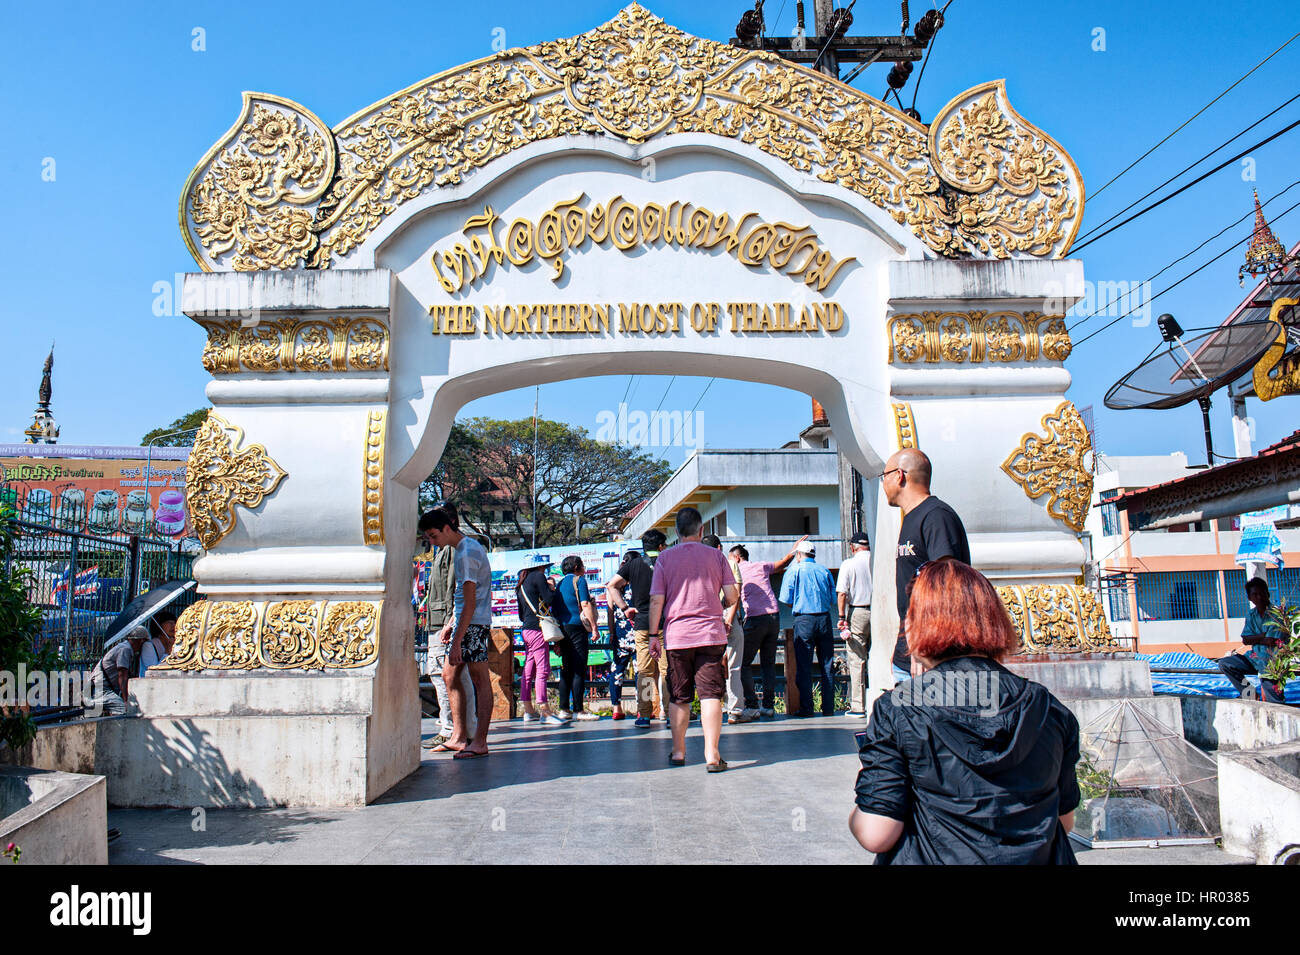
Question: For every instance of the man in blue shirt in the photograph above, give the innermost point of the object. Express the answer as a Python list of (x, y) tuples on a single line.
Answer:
[(1262, 638), (810, 590)]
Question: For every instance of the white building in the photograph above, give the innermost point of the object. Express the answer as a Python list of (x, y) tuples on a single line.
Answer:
[(1176, 587), (765, 499)]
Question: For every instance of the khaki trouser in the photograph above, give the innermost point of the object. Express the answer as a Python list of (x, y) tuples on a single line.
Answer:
[(651, 676), (735, 655), (857, 643)]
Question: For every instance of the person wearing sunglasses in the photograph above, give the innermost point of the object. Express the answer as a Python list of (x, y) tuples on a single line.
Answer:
[(930, 530)]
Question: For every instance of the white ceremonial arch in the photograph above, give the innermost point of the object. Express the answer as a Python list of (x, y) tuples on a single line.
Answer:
[(630, 201)]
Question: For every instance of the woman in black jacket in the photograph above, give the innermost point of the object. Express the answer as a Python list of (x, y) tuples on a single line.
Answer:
[(966, 763)]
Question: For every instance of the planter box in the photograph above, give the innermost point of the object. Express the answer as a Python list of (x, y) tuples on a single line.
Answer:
[(55, 818)]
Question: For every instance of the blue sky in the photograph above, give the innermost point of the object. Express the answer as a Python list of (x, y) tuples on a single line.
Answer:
[(124, 106)]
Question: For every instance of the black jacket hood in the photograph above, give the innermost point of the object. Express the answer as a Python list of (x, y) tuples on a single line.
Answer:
[(988, 737)]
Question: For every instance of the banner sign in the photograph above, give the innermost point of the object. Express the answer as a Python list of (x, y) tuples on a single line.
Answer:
[(102, 496), (600, 561)]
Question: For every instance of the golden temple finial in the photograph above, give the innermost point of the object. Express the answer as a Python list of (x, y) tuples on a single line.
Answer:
[(1265, 254)]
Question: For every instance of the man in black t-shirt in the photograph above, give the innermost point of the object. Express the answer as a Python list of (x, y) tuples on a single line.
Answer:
[(651, 671), (931, 529)]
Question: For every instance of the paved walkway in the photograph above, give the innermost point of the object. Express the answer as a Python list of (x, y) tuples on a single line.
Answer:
[(589, 793)]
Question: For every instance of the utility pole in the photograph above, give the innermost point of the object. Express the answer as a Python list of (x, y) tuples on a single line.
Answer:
[(537, 397), (830, 60), (830, 46)]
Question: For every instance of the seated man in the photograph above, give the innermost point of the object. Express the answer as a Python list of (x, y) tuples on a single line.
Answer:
[(113, 673), (1261, 637)]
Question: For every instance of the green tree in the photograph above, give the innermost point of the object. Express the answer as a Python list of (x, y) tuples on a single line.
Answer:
[(20, 628), (583, 485), (189, 422)]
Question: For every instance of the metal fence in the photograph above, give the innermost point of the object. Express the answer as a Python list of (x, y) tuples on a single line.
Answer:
[(82, 581), (1282, 585), (1187, 595)]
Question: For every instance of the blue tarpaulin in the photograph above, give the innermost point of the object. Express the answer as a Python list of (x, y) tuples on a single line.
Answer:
[(1198, 684)]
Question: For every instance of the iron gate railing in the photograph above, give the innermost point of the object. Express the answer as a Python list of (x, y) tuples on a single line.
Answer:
[(82, 581)]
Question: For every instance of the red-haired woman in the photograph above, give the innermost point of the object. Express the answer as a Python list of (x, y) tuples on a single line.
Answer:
[(966, 763)]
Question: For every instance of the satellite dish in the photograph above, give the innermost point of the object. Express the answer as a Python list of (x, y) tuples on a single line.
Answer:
[(1180, 371), (1191, 366)]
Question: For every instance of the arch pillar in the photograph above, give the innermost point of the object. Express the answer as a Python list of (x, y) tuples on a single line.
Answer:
[(293, 683)]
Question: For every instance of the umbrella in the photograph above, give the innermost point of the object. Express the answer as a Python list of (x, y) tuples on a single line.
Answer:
[(143, 607)]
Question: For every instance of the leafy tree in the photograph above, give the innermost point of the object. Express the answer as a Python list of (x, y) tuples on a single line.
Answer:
[(20, 628), (188, 422), (583, 485)]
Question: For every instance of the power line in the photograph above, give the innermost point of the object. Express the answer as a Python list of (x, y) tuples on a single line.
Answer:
[(1181, 189), (666, 390), (692, 411), (1198, 113), (1104, 308), (1170, 288), (1190, 166), (630, 379), (916, 88)]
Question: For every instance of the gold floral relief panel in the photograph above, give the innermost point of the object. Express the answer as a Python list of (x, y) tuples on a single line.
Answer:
[(289, 345), (276, 635), (220, 476), (281, 190), (1058, 618), (1055, 464), (976, 336)]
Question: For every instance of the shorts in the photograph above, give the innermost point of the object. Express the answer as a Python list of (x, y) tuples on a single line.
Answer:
[(696, 670), (474, 645)]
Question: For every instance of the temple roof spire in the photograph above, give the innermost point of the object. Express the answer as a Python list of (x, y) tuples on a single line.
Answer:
[(44, 429)]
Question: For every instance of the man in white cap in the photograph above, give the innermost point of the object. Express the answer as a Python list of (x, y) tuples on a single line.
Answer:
[(809, 589)]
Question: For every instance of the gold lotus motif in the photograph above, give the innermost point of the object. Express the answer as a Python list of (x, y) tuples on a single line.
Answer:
[(220, 475), (280, 190), (1053, 464)]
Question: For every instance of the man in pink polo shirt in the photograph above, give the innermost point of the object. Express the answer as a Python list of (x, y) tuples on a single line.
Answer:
[(691, 585)]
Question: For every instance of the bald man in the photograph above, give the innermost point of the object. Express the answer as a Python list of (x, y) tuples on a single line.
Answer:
[(931, 529)]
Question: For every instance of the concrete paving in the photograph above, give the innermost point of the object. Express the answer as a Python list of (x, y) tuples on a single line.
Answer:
[(589, 793)]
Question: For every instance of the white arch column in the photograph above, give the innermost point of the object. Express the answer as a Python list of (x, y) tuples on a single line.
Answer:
[(293, 683), (977, 381)]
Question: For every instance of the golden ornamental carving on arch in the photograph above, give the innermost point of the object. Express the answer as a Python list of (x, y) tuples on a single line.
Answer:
[(276, 635), (976, 336), (220, 475), (331, 345), (280, 190), (1053, 464), (189, 630), (372, 478), (1058, 618), (904, 425)]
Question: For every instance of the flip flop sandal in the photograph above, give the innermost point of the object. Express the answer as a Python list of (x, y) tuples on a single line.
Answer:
[(467, 754), (719, 767), (676, 761), (444, 748)]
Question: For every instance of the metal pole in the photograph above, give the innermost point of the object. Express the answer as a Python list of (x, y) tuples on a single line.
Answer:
[(1209, 441), (830, 62), (537, 394), (72, 592)]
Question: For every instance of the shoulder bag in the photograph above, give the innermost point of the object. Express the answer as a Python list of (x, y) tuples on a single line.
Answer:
[(552, 632)]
